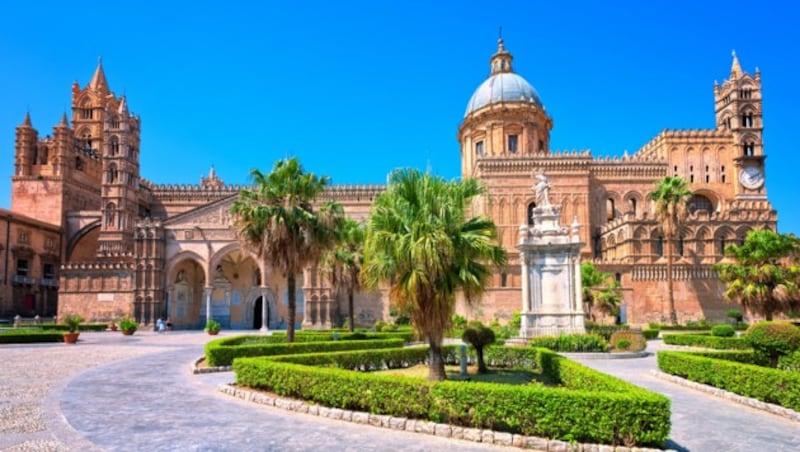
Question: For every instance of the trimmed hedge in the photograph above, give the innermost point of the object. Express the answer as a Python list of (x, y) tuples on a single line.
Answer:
[(82, 327), (704, 340), (591, 407), (763, 383), (635, 339), (28, 336), (650, 334), (571, 343), (325, 336), (222, 352)]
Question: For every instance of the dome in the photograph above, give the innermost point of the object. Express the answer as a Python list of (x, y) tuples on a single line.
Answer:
[(503, 87)]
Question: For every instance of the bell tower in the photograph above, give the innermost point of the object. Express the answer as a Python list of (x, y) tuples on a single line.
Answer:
[(738, 106)]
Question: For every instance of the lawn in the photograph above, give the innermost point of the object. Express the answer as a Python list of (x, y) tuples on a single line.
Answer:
[(502, 376)]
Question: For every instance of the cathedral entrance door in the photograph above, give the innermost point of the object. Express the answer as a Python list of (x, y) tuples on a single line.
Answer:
[(257, 307)]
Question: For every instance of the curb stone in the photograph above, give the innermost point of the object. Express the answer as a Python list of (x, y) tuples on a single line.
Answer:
[(778, 410), (420, 426)]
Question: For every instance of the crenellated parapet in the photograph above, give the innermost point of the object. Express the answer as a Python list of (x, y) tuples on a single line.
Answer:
[(554, 163), (98, 266)]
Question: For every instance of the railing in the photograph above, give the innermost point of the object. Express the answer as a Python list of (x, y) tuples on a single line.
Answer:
[(20, 279), (49, 282)]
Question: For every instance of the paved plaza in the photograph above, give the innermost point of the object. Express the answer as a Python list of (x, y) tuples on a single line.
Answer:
[(111, 392)]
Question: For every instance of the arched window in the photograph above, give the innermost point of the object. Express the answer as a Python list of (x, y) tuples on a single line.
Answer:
[(680, 246), (114, 146), (513, 143), (111, 215), (749, 149), (112, 174), (700, 202), (610, 209), (531, 206), (660, 245), (479, 148), (632, 203)]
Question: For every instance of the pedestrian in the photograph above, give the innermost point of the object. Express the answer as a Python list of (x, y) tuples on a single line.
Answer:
[(169, 324), (160, 325)]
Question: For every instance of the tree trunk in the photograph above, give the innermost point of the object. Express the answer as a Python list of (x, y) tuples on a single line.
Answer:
[(290, 287), (768, 315), (481, 363), (350, 310), (436, 362), (673, 315)]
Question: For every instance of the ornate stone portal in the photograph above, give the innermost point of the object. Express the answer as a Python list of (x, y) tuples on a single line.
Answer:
[(551, 273)]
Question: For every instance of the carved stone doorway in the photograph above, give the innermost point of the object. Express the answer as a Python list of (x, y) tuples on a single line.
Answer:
[(257, 307)]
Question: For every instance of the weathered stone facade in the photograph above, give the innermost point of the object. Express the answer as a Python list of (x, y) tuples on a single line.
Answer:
[(130, 247)]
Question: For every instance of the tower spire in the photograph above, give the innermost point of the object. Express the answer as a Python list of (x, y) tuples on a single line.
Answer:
[(99, 82), (736, 68), (64, 120), (27, 121), (501, 60)]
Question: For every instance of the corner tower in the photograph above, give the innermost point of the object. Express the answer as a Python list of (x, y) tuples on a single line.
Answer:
[(738, 108), (505, 117)]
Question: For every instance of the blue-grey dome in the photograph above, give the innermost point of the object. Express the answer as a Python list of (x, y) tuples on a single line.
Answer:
[(503, 87)]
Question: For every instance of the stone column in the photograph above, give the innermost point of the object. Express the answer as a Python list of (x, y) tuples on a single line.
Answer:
[(526, 283), (328, 323), (264, 308), (207, 293)]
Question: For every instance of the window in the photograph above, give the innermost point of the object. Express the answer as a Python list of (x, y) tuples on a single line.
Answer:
[(660, 246), (22, 267), (49, 243), (541, 145), (115, 123), (632, 202), (513, 143), (680, 246), (722, 244), (479, 148), (23, 237), (114, 146), (749, 149), (531, 206), (47, 271), (78, 164), (610, 209), (700, 202), (747, 120), (504, 279), (86, 113)]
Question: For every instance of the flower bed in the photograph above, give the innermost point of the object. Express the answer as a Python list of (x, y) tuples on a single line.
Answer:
[(221, 352), (735, 372), (705, 340), (587, 407)]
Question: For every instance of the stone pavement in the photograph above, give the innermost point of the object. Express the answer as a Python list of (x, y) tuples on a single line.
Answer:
[(702, 422), (111, 392)]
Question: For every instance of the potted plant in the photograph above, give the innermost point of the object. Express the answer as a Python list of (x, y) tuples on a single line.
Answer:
[(128, 326), (73, 321), (113, 325), (212, 327)]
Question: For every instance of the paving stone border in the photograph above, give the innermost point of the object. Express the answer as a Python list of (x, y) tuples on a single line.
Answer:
[(208, 370), (421, 426), (733, 397), (607, 355)]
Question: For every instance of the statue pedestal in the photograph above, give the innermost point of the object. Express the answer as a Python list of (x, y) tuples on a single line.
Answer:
[(551, 276)]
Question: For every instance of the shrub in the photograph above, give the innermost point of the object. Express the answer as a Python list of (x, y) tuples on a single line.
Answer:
[(723, 331), (597, 408), (571, 343), (128, 325), (459, 322), (650, 334), (27, 336), (773, 339), (622, 344), (388, 328), (790, 361), (603, 330), (763, 383), (704, 340), (479, 336), (636, 342), (82, 327), (734, 314), (212, 326)]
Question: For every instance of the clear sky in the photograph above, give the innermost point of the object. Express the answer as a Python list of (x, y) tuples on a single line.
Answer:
[(358, 89)]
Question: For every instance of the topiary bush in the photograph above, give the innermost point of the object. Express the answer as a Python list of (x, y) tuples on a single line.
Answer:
[(479, 336), (622, 344), (723, 331), (790, 361), (650, 334), (773, 339)]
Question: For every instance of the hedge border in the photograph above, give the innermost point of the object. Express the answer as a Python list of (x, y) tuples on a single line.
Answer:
[(769, 385), (29, 336), (706, 340), (221, 352), (590, 407)]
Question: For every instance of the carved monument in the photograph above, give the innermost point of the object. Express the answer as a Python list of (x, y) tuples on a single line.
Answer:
[(551, 273)]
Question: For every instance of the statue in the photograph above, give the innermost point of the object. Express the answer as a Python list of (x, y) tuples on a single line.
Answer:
[(542, 189)]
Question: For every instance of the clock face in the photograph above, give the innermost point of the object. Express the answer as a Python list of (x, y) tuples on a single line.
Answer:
[(751, 177)]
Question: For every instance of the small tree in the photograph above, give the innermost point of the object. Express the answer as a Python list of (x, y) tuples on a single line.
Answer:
[(772, 340), (599, 290), (479, 336), (343, 263)]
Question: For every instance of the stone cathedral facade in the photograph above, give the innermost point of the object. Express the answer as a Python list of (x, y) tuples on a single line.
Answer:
[(131, 247)]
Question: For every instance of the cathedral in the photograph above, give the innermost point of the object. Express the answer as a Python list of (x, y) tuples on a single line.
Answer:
[(87, 234)]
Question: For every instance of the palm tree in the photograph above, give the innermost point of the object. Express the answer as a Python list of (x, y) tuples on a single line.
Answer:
[(599, 290), (343, 262), (765, 277), (670, 196), (276, 221), (422, 243)]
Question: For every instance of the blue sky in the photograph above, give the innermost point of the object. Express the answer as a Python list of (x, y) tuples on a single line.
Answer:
[(356, 89)]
